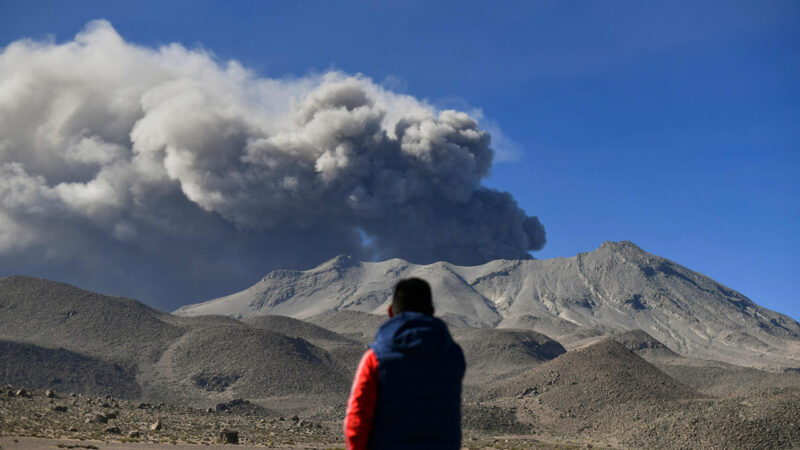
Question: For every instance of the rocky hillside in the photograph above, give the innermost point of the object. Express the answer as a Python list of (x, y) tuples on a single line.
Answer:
[(54, 315), (53, 335), (616, 288)]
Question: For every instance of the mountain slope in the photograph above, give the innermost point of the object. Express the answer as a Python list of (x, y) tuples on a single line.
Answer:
[(42, 368), (616, 288), (54, 315), (587, 381)]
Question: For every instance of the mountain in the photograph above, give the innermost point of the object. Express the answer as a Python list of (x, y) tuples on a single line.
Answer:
[(54, 335), (616, 288), (492, 354), (53, 315), (589, 380)]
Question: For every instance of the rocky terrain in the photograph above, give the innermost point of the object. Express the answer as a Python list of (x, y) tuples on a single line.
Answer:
[(82, 417), (81, 421), (616, 288)]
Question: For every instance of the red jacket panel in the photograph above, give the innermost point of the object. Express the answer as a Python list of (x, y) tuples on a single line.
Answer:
[(361, 404)]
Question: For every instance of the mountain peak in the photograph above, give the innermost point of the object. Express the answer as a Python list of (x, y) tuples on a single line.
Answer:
[(339, 263), (618, 246)]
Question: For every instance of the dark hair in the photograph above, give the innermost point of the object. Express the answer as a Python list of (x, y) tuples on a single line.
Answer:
[(412, 294)]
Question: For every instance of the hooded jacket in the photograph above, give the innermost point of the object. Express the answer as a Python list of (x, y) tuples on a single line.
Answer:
[(407, 390)]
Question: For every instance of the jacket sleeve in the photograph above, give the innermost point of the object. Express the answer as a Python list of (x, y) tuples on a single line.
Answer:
[(361, 404)]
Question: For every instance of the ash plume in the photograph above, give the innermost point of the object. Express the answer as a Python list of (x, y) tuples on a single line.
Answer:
[(120, 163)]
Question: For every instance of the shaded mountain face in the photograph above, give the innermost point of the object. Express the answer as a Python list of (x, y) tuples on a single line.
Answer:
[(41, 368), (616, 288)]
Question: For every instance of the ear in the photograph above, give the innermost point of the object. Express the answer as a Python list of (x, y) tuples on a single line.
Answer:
[(390, 311)]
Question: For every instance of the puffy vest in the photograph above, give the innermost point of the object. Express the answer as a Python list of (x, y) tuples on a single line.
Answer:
[(420, 370)]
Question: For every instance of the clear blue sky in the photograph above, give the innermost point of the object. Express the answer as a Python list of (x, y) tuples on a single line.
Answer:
[(675, 125)]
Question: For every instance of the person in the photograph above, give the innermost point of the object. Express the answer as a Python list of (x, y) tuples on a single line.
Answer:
[(407, 390)]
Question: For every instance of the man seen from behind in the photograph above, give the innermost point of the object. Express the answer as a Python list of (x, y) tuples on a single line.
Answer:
[(407, 389)]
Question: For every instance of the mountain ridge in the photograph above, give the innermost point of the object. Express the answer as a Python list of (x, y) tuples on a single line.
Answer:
[(616, 288)]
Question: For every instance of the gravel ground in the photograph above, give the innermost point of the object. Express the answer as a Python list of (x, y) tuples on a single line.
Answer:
[(35, 420)]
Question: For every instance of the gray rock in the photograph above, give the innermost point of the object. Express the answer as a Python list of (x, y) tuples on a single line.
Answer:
[(228, 436)]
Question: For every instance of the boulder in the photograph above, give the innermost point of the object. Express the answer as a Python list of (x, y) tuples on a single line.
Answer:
[(228, 436)]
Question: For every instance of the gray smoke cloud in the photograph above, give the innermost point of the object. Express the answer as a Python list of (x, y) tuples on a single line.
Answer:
[(166, 175)]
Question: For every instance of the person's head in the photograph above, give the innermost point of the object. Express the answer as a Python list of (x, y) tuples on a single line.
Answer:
[(412, 294)]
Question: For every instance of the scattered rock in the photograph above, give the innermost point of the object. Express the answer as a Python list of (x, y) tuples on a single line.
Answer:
[(229, 436), (155, 426), (49, 394), (143, 406), (113, 429), (60, 408), (221, 406), (22, 393), (134, 434)]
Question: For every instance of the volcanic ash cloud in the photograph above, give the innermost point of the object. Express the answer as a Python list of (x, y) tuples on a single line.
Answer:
[(108, 147)]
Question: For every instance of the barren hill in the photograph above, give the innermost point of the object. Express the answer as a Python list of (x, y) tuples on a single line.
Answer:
[(644, 345), (43, 368), (295, 328), (55, 334), (492, 354), (357, 325), (616, 288), (251, 363), (587, 381), (54, 315)]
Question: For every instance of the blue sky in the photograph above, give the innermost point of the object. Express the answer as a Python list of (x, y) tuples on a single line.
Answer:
[(670, 124)]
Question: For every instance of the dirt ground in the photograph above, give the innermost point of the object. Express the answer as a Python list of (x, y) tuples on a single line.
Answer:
[(30, 443)]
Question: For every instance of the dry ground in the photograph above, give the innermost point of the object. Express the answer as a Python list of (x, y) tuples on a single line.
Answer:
[(80, 421)]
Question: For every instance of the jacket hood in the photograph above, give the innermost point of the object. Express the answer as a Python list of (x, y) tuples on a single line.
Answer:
[(413, 333)]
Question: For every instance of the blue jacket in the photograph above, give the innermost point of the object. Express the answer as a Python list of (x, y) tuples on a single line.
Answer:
[(420, 370)]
